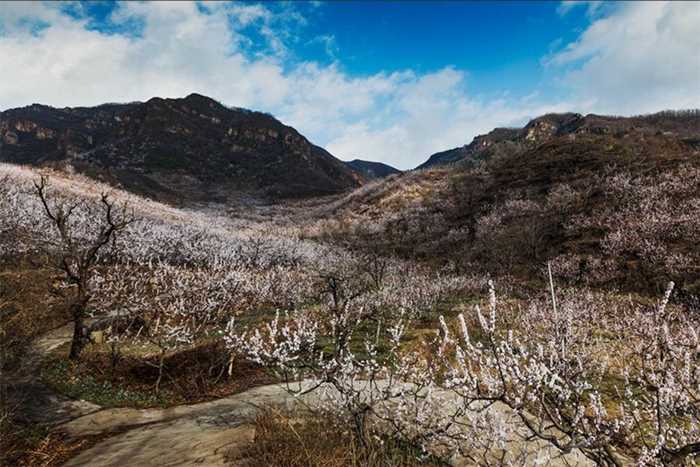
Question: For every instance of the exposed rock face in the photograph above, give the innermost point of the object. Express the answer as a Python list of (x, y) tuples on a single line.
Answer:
[(190, 149), (683, 125), (372, 170), (10, 137), (499, 136), (543, 128)]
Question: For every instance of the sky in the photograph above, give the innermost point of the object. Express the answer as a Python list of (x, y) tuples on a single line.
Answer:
[(388, 81)]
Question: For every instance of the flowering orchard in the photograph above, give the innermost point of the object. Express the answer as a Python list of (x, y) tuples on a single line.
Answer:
[(438, 360), (172, 278), (577, 372)]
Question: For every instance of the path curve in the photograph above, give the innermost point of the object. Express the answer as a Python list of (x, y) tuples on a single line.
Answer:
[(37, 402)]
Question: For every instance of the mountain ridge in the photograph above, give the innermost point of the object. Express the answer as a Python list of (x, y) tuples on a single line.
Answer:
[(543, 128), (372, 170), (175, 149)]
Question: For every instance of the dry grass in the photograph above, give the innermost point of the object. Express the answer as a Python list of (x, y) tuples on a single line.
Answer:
[(51, 449), (314, 440), (29, 306)]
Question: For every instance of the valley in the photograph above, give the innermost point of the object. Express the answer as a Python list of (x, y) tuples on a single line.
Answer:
[(528, 298)]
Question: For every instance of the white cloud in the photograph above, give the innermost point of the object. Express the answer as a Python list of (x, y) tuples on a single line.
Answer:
[(641, 57), (244, 14), (432, 113), (593, 7), (399, 118), (330, 46)]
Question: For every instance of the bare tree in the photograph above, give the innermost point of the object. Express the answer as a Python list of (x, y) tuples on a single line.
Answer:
[(79, 249)]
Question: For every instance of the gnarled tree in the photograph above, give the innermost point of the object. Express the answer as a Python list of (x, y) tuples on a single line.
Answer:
[(84, 232)]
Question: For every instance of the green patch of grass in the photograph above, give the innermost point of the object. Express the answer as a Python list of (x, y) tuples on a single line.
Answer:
[(254, 318), (65, 377)]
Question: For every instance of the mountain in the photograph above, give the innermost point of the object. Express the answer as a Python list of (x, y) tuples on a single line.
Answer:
[(504, 141), (611, 201), (178, 150), (499, 135), (372, 170)]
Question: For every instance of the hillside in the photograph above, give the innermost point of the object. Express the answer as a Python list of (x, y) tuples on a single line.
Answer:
[(609, 201), (501, 136), (194, 314), (372, 170), (189, 149), (503, 141)]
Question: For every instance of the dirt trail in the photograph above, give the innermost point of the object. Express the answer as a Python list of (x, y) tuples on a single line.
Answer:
[(199, 434), (183, 435), (37, 402)]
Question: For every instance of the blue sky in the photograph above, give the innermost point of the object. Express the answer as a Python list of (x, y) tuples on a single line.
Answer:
[(501, 44), (390, 81)]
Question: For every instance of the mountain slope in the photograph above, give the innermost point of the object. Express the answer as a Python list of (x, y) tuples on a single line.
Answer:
[(506, 141), (189, 149), (372, 170), (605, 200), (478, 145)]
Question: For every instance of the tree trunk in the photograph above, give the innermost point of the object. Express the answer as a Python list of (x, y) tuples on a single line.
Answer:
[(115, 357), (161, 361), (360, 427), (80, 330)]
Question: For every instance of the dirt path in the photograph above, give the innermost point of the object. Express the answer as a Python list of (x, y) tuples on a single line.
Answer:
[(183, 435), (199, 434), (37, 402)]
